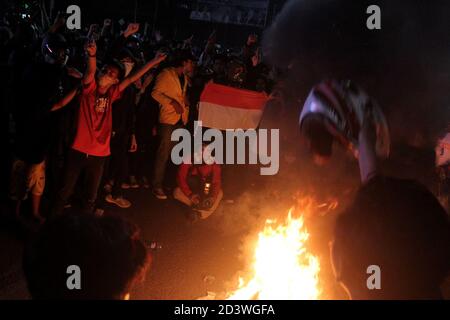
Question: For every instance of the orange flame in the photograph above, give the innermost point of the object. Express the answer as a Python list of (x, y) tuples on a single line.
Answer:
[(282, 267)]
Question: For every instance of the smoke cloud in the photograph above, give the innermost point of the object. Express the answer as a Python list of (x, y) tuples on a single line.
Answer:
[(405, 65)]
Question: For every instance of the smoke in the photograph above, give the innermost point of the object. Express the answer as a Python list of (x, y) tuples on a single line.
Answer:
[(297, 183), (405, 66)]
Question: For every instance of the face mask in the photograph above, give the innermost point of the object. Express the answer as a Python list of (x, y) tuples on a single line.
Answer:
[(128, 67), (105, 80)]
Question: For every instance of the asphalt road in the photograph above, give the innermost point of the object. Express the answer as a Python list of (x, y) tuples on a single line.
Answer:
[(196, 257), (206, 256)]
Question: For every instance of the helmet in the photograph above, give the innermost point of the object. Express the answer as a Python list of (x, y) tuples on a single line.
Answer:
[(55, 49), (335, 110)]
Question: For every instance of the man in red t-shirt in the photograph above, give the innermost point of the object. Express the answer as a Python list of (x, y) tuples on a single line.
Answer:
[(199, 187), (91, 145)]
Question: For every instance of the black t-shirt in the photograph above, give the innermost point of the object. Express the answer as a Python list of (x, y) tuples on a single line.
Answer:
[(123, 112)]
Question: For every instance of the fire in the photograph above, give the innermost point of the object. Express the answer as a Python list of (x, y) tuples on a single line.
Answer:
[(282, 267)]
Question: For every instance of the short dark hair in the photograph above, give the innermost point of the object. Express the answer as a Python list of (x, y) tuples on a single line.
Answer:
[(181, 56), (108, 251), (126, 53), (400, 226)]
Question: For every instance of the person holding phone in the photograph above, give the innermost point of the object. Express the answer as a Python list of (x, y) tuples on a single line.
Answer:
[(91, 145)]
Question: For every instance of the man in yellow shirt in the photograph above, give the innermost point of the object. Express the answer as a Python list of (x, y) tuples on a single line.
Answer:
[(170, 92)]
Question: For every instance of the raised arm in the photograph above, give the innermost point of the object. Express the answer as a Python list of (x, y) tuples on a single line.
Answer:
[(91, 50), (107, 28), (121, 41), (140, 73)]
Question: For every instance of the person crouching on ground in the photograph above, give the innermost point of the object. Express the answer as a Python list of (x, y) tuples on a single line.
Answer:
[(199, 186)]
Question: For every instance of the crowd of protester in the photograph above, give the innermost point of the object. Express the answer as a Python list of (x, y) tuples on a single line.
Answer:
[(88, 114), (69, 146)]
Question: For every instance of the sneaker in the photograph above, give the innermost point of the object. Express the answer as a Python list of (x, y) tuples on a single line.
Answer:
[(119, 201), (125, 186), (145, 183), (133, 183), (159, 193)]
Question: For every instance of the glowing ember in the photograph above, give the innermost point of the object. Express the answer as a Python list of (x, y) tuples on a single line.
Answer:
[(282, 267)]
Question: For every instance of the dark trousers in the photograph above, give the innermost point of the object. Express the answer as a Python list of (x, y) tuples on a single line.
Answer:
[(163, 153), (141, 163), (78, 163), (118, 163)]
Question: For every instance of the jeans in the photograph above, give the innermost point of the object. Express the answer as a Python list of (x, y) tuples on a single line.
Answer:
[(163, 153), (78, 163)]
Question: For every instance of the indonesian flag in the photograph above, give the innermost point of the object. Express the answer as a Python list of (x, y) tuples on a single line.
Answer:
[(223, 107)]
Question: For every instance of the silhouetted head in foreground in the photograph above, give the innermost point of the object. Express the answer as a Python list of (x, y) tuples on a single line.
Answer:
[(399, 226), (108, 251)]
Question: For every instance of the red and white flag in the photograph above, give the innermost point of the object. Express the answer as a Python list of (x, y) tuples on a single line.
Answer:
[(223, 107)]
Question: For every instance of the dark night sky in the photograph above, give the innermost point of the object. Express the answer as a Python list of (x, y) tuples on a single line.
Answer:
[(405, 65), (172, 17)]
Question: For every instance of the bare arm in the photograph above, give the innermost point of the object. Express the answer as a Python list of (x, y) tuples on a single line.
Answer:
[(140, 73), (91, 50), (120, 42)]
